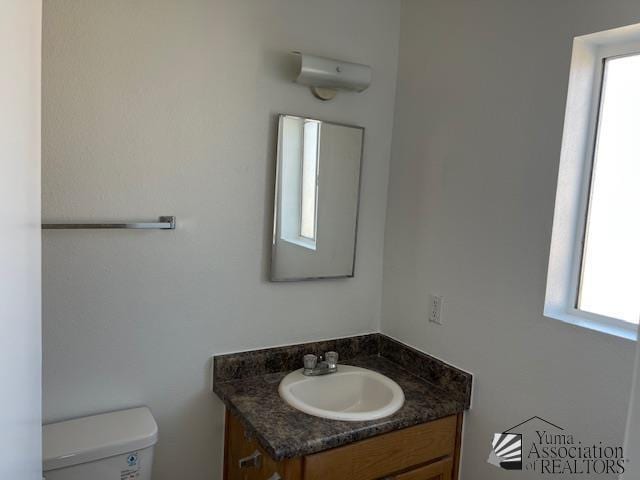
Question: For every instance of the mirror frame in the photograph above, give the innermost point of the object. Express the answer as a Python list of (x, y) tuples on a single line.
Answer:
[(280, 118)]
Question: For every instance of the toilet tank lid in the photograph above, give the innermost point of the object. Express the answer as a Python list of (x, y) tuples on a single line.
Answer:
[(101, 436)]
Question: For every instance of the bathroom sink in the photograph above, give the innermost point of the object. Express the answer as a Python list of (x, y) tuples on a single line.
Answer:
[(350, 394)]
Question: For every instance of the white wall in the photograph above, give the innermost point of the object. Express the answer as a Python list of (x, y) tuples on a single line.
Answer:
[(168, 107), (20, 329), (479, 114)]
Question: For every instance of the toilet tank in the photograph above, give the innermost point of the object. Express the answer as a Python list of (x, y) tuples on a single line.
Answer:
[(110, 446)]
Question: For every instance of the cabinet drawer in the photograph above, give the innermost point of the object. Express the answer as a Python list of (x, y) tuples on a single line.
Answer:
[(440, 470), (384, 455)]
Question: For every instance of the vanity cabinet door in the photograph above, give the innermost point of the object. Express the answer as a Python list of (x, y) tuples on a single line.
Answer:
[(440, 470), (244, 459)]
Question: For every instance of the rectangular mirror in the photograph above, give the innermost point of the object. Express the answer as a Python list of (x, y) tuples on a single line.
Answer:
[(316, 201)]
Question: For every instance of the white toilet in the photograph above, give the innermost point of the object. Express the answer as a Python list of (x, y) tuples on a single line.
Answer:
[(110, 446)]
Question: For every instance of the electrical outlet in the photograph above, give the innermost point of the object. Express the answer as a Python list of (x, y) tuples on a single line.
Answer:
[(435, 309)]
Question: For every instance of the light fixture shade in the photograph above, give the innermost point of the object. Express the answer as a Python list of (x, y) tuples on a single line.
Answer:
[(321, 72)]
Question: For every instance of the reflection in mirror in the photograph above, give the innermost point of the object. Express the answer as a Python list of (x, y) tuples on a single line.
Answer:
[(316, 204)]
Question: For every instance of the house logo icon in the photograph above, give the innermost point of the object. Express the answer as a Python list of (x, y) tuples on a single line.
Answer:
[(506, 451), (506, 447)]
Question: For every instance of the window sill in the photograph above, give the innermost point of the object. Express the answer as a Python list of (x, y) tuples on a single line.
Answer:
[(597, 323)]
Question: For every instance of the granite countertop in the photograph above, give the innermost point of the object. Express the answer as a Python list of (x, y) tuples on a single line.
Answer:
[(432, 390)]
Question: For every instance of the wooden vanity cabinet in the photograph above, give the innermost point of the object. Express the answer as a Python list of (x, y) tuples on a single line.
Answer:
[(429, 451), (438, 470)]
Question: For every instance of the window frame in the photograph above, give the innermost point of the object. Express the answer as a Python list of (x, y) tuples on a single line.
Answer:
[(576, 177)]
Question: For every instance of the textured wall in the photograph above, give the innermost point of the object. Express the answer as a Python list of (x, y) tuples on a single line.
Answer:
[(479, 114), (168, 107)]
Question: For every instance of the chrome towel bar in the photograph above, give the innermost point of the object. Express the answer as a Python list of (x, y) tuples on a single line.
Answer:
[(163, 223)]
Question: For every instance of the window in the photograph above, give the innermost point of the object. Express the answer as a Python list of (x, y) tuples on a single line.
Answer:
[(298, 180), (310, 155), (610, 276), (594, 265)]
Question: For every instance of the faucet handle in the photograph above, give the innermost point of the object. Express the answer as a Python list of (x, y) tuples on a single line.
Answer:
[(331, 358), (310, 361)]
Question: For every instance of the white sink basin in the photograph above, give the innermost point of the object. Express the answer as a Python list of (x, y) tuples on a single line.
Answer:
[(351, 394)]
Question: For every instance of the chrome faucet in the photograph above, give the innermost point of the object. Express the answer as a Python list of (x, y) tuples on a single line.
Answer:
[(313, 367)]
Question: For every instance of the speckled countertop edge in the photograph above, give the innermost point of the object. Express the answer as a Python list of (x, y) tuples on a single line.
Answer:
[(286, 433)]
